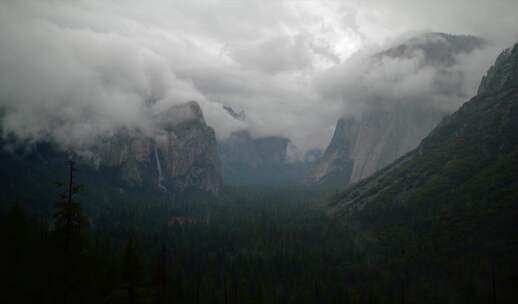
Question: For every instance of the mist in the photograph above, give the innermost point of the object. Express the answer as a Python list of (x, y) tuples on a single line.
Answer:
[(374, 80), (72, 72)]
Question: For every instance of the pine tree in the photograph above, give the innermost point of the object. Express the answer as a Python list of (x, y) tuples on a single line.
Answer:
[(161, 276), (132, 270), (69, 230), (16, 246)]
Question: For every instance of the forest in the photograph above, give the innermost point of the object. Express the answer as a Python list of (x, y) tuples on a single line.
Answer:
[(259, 152), (250, 245)]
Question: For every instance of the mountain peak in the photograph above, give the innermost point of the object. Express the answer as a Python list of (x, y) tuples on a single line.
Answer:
[(437, 48), (180, 154), (177, 114)]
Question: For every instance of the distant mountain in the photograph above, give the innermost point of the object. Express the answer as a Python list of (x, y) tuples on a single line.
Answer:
[(437, 48), (179, 156), (390, 127), (272, 160), (460, 186), (238, 115), (335, 166)]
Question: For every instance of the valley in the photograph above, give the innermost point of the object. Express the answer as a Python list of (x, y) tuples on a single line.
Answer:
[(219, 153)]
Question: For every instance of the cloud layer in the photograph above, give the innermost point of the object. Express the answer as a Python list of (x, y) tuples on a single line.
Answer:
[(75, 70), (432, 72)]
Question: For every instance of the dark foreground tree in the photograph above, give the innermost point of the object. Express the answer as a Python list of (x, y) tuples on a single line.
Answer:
[(132, 271), (161, 276), (69, 233), (16, 247)]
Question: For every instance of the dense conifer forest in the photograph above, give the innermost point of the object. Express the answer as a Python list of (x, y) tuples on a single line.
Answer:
[(251, 245), (259, 152)]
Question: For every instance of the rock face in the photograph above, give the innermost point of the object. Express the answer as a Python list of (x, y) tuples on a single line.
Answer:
[(381, 137), (467, 164), (179, 158), (180, 155), (452, 198), (364, 144), (360, 147), (261, 161), (336, 165)]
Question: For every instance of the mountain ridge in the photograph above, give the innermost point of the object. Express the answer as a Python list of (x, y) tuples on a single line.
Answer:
[(390, 127), (179, 156), (270, 160), (466, 167)]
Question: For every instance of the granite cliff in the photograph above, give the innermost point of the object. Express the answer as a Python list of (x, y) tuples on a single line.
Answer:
[(464, 170), (389, 128), (180, 154)]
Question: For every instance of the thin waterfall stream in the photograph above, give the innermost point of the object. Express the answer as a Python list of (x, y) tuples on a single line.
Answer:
[(159, 170)]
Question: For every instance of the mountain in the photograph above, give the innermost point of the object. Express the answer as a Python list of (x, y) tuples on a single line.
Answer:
[(237, 115), (360, 147), (437, 48), (272, 160), (335, 165), (459, 186), (391, 126), (178, 156)]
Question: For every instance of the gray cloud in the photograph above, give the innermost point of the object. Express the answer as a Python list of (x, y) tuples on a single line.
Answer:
[(278, 54), (75, 70), (379, 80)]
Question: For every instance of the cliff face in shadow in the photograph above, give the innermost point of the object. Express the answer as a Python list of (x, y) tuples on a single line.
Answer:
[(265, 161)]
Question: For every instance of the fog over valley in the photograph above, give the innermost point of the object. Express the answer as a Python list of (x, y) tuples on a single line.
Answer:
[(259, 151), (77, 70)]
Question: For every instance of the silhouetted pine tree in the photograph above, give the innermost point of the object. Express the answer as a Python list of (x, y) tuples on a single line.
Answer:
[(132, 270), (16, 246), (161, 276), (69, 230)]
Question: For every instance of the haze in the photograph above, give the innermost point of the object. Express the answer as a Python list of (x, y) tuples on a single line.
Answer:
[(72, 71)]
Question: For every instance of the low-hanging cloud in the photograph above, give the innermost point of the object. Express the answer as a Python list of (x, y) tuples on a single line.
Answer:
[(72, 84), (77, 70), (424, 76)]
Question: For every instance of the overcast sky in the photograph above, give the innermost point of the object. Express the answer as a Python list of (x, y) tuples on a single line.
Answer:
[(73, 70)]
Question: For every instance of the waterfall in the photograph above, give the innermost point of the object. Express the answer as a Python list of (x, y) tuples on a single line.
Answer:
[(159, 170)]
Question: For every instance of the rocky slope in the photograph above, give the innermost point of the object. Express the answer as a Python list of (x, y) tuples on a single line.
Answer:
[(389, 128), (461, 182)]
